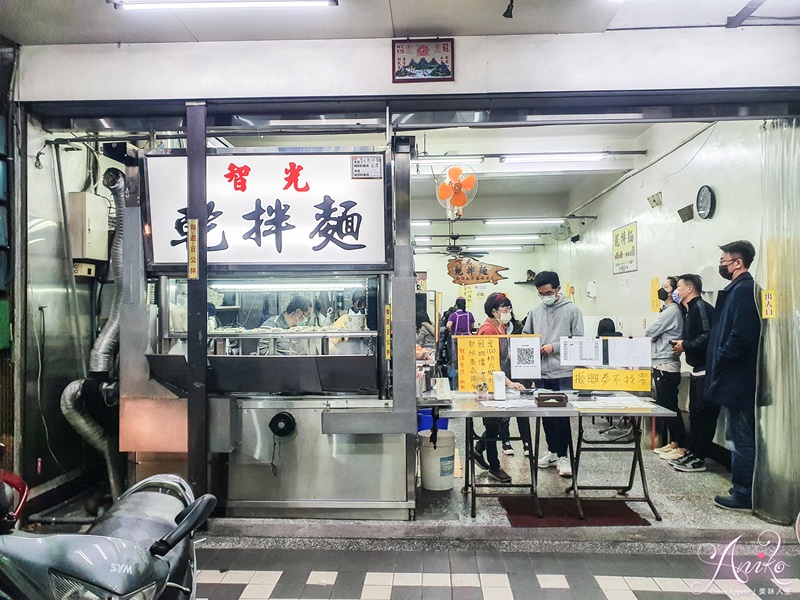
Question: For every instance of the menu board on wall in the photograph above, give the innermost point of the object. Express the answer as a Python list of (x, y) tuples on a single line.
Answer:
[(624, 249), (272, 209)]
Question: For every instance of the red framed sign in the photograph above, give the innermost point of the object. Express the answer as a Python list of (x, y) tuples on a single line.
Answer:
[(423, 60)]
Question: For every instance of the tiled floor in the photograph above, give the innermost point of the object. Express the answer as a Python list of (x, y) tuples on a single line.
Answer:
[(467, 575)]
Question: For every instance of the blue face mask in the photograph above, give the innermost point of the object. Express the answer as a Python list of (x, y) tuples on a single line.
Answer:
[(676, 297)]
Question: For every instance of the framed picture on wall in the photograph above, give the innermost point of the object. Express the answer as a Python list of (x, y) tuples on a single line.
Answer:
[(423, 60), (624, 241)]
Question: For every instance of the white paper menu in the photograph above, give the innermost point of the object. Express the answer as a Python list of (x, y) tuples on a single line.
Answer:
[(581, 351), (629, 352)]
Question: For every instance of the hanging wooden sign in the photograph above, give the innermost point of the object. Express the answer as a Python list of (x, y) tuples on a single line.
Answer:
[(466, 271)]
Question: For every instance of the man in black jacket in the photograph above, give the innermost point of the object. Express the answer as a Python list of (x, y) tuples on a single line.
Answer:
[(703, 415), (731, 360)]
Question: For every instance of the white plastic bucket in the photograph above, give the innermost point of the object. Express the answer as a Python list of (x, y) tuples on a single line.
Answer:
[(437, 464)]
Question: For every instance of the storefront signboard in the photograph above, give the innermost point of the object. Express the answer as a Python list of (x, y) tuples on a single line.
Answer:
[(279, 210)]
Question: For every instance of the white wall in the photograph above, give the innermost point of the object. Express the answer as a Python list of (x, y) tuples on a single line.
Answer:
[(619, 60), (727, 158)]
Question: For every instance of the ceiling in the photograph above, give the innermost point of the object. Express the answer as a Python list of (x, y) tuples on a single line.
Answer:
[(30, 22)]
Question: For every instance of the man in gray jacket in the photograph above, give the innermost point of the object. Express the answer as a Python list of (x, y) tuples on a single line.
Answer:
[(554, 318), (668, 328)]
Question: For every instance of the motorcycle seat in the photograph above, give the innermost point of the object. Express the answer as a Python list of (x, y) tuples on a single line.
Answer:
[(142, 518)]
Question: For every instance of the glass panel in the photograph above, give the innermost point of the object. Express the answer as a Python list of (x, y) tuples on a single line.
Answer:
[(288, 316)]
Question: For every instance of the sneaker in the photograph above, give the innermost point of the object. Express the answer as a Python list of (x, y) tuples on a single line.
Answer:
[(526, 449), (500, 476), (507, 449), (564, 467), (693, 465), (733, 503), (672, 455), (479, 460), (668, 448), (548, 460), (682, 460)]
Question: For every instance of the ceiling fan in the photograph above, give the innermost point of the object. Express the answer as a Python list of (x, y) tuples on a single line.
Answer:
[(453, 248)]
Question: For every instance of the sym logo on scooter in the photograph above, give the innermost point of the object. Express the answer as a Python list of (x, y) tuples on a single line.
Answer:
[(120, 568)]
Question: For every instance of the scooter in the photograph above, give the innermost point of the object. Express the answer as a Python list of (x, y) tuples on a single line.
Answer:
[(142, 548)]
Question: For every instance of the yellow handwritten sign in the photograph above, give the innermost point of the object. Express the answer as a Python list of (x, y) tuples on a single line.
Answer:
[(388, 329), (655, 303), (193, 273), (478, 356), (468, 293), (623, 249), (768, 308), (621, 380)]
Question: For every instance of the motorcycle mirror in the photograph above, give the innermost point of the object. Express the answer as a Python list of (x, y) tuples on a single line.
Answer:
[(194, 515), (2, 451)]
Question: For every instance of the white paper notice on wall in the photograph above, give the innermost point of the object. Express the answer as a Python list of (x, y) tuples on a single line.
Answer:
[(581, 351), (526, 357), (629, 352), (625, 285)]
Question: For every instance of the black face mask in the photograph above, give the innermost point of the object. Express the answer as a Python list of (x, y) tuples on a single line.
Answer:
[(663, 294), (724, 273)]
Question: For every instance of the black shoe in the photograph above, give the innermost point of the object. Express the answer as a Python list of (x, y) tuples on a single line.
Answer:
[(500, 476), (479, 460), (733, 503), (686, 458), (693, 465), (526, 449), (507, 449)]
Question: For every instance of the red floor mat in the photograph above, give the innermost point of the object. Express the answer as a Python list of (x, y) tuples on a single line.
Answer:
[(562, 512)]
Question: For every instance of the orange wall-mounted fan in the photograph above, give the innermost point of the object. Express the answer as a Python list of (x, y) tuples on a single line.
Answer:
[(456, 187)]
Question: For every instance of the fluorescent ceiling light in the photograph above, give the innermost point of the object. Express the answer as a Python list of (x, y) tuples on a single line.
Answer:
[(505, 238), (283, 287), (593, 117), (555, 157), (219, 4), (422, 238), (523, 222), (448, 160), (420, 223), (492, 248), (323, 122)]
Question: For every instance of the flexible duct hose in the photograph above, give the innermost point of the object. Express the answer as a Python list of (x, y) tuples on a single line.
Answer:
[(90, 430), (106, 343), (100, 359)]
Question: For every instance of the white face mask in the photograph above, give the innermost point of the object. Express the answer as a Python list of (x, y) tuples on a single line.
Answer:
[(505, 317), (548, 300)]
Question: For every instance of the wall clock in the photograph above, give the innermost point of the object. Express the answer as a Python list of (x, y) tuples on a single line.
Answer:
[(706, 202)]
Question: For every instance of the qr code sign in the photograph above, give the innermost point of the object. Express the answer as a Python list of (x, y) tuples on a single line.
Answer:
[(526, 356)]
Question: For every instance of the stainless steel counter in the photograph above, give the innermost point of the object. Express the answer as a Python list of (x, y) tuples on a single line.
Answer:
[(311, 473)]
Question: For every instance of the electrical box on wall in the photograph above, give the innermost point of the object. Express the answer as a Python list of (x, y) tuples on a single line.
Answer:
[(88, 226)]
